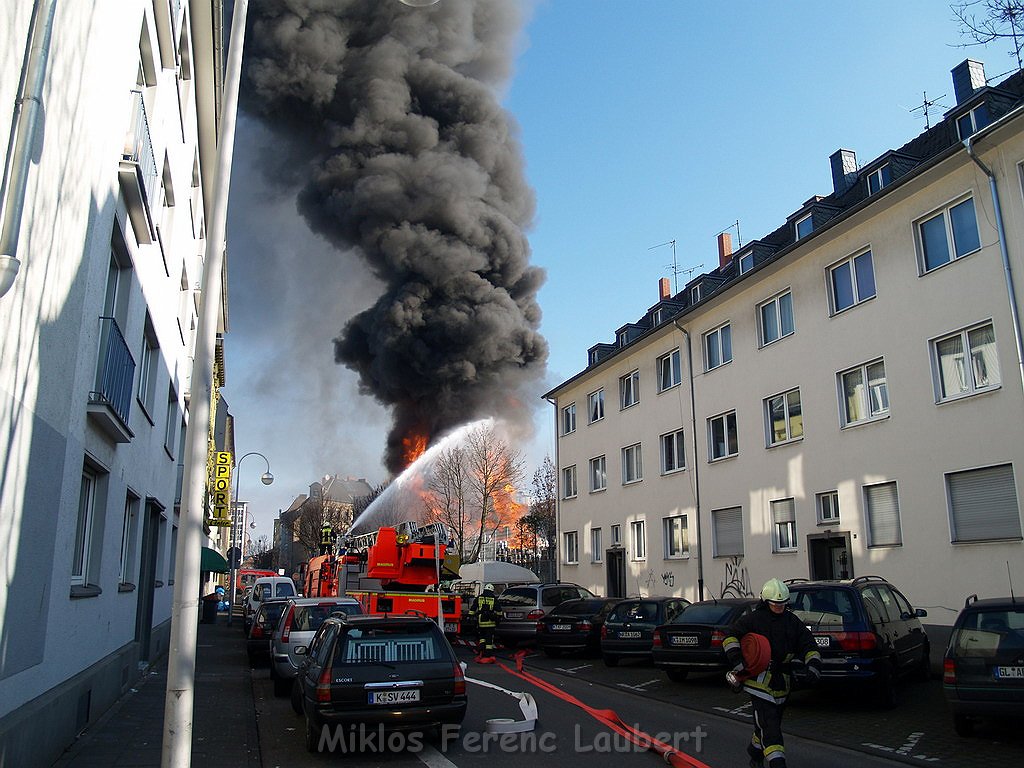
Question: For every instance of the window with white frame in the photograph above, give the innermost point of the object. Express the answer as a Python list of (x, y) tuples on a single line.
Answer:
[(569, 419), (595, 406), (629, 389), (727, 532), (129, 537), (596, 546), (173, 554), (569, 489), (783, 525), (695, 294), (969, 124), (784, 420), (570, 540), (746, 262), (669, 371), (718, 347), (776, 318), (148, 368), (950, 234), (623, 338), (864, 393), (882, 508), (673, 453), (616, 535), (598, 474), (851, 281), (87, 510), (965, 363), (638, 540), (171, 419), (723, 440), (804, 226), (827, 504), (677, 541), (879, 179), (657, 316), (632, 464), (983, 504)]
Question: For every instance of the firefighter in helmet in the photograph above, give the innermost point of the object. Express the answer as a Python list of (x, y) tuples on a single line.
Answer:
[(486, 614), (326, 539), (792, 649)]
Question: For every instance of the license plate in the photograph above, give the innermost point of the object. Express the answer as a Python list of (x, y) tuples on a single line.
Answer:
[(395, 697), (1010, 672), (629, 635), (684, 640), (561, 627), (513, 615), (451, 627), (823, 642)]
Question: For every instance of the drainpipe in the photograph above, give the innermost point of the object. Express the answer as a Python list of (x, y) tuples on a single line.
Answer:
[(23, 130), (558, 499), (696, 473), (1007, 272)]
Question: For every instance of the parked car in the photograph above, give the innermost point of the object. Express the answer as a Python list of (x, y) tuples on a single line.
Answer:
[(867, 632), (388, 670), (520, 608), (298, 623), (692, 641), (629, 628), (983, 670), (265, 588), (575, 625), (257, 643)]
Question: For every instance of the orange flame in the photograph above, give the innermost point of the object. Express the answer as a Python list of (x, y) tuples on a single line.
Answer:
[(413, 446)]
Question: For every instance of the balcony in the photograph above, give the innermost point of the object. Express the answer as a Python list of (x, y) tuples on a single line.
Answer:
[(138, 172), (110, 402)]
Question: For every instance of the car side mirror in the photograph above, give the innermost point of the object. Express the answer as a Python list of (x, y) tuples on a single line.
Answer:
[(920, 613), (300, 650)]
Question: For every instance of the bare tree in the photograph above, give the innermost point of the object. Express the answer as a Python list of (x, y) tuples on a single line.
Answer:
[(263, 554), (317, 511), (448, 486), (984, 21)]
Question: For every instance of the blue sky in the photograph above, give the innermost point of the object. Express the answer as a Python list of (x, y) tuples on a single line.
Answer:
[(641, 122)]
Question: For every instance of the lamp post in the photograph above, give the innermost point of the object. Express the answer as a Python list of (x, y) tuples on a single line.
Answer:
[(238, 530)]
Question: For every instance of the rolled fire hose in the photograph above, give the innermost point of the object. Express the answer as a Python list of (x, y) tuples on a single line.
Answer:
[(506, 724)]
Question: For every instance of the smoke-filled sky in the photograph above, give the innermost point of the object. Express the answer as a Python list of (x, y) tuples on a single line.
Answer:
[(397, 231)]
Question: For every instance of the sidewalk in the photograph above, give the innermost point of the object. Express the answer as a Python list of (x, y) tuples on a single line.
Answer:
[(224, 720)]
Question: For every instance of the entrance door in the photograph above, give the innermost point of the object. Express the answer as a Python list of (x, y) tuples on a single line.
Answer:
[(616, 573), (829, 555), (147, 581)]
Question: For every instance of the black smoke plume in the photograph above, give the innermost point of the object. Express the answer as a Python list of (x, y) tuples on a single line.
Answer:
[(391, 127)]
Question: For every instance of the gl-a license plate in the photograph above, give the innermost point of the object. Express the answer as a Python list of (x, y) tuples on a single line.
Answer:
[(395, 697), (823, 642), (561, 627), (629, 635), (684, 640), (1016, 673)]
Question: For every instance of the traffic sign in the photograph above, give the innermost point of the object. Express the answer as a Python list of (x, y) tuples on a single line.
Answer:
[(234, 557)]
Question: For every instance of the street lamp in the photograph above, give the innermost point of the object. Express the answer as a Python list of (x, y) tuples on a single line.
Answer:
[(418, 3), (238, 531)]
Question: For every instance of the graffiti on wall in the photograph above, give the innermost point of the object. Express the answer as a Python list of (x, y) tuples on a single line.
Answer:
[(668, 579), (737, 580)]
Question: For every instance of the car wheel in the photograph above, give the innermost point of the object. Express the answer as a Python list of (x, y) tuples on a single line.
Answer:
[(312, 736), (610, 660), (677, 675), (282, 686), (553, 653), (885, 691), (924, 670), (963, 726), (296, 697)]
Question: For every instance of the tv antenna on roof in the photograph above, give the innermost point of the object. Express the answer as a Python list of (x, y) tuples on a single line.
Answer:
[(675, 264), (926, 105)]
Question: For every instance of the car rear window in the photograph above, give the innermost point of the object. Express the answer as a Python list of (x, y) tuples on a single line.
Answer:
[(285, 589), (824, 606), (271, 612), (704, 614), (362, 645), (308, 618), (518, 596), (983, 633), (580, 607), (645, 610)]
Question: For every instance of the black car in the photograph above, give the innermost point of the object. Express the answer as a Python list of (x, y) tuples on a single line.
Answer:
[(394, 671), (692, 641), (575, 625), (521, 607), (257, 642), (629, 628), (868, 633), (983, 670)]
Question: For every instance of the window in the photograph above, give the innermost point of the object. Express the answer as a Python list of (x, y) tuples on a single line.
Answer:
[(673, 454), (677, 543), (784, 419), (622, 338), (727, 530), (637, 540), (596, 547), (595, 406), (598, 474), (669, 374), (954, 376), (174, 554), (879, 179), (632, 464), (776, 316), (746, 262), (718, 347), (616, 535), (569, 419), (828, 507), (171, 420), (695, 294), (722, 438), (657, 316), (864, 394), (973, 121), (882, 506), (783, 526), (852, 281), (804, 226), (569, 489), (983, 504), (87, 509), (129, 532), (947, 235), (629, 389), (572, 547)]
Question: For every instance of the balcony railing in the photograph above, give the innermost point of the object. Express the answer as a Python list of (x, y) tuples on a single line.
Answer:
[(138, 172), (115, 373)]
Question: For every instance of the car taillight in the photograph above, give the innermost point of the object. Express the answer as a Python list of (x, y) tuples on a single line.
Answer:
[(657, 640), (856, 641), (949, 672), (540, 627), (604, 631), (534, 615), (287, 624), (460, 681), (717, 638), (584, 626), (323, 686), (257, 630)]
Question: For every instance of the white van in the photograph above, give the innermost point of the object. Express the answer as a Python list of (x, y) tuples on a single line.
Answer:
[(266, 588)]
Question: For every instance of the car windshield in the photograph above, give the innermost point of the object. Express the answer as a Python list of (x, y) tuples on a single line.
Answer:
[(308, 618), (395, 644), (986, 633), (710, 613), (517, 596), (823, 606)]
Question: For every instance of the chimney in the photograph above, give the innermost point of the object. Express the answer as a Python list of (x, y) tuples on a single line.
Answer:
[(844, 169), (663, 289), (968, 76), (724, 249)]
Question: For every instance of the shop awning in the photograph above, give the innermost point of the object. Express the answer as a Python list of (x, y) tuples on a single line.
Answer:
[(212, 560)]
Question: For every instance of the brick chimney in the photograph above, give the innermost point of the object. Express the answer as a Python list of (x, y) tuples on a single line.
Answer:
[(968, 76), (664, 291), (844, 169), (724, 249)]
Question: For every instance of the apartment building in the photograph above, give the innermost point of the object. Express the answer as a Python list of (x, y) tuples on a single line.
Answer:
[(111, 108), (841, 397)]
